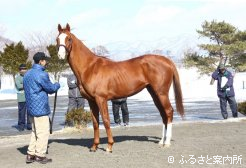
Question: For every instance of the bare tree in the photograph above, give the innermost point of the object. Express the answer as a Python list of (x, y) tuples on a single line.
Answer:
[(4, 41), (37, 41), (157, 51), (100, 50)]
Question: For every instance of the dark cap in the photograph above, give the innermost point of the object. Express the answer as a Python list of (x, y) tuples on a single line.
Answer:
[(22, 66), (221, 66), (39, 56)]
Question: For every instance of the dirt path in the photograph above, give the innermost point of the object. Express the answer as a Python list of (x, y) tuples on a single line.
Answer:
[(193, 145)]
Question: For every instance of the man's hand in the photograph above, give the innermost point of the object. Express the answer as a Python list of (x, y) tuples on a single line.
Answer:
[(223, 89)]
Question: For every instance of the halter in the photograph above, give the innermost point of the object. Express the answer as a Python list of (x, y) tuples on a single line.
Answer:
[(68, 49)]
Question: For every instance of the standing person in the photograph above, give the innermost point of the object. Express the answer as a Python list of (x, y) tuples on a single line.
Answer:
[(116, 105), (23, 116), (37, 86), (75, 99), (225, 90)]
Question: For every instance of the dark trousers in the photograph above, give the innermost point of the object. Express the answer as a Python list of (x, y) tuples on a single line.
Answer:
[(223, 106), (23, 117), (125, 114), (75, 103)]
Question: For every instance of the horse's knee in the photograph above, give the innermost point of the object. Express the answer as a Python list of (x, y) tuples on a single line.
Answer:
[(106, 123), (95, 126)]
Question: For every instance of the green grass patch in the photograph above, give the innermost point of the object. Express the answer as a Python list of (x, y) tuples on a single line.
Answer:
[(242, 107)]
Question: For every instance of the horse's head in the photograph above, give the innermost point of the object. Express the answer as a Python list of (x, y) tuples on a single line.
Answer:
[(64, 41)]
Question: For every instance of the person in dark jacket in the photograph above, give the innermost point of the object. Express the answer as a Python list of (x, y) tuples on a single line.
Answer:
[(116, 105), (37, 86), (225, 90), (75, 99), (23, 117)]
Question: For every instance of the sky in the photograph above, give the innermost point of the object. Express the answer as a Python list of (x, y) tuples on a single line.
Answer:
[(100, 22)]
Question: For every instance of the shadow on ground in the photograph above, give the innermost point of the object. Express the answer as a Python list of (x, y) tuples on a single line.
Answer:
[(87, 142)]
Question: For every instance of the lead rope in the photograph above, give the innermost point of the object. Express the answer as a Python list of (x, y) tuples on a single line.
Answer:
[(54, 110), (53, 115)]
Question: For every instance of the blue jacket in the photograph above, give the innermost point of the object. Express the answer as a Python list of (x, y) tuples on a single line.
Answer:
[(227, 88), (37, 86)]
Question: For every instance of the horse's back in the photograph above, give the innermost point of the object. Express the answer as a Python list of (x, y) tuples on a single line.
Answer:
[(131, 76), (152, 69), (146, 67), (150, 60), (155, 63)]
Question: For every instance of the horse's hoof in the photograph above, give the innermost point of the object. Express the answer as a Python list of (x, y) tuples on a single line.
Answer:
[(161, 142), (93, 150), (166, 145), (109, 150)]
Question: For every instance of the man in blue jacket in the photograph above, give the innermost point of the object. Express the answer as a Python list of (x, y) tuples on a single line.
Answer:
[(37, 86), (225, 90)]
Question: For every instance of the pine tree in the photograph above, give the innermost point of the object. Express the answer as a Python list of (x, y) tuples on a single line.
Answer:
[(225, 41), (12, 56)]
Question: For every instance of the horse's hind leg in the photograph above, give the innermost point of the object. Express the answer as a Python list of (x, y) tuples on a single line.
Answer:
[(103, 108), (95, 119), (167, 119), (166, 111)]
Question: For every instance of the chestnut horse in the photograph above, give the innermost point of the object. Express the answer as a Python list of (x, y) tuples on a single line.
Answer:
[(101, 79)]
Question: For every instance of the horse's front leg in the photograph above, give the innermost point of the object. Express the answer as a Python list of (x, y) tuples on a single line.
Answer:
[(103, 108), (95, 119)]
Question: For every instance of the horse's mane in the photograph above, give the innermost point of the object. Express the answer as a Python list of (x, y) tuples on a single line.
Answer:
[(100, 56), (103, 57)]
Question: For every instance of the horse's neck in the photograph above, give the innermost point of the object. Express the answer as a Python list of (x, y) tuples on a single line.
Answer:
[(80, 56)]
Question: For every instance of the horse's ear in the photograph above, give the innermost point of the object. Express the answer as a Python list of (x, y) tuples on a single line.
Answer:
[(68, 27), (59, 28)]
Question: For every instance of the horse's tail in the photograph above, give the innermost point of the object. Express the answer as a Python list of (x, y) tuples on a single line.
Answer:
[(178, 93)]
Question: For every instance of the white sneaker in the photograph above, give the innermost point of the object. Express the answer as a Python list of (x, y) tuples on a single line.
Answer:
[(126, 124), (117, 124)]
